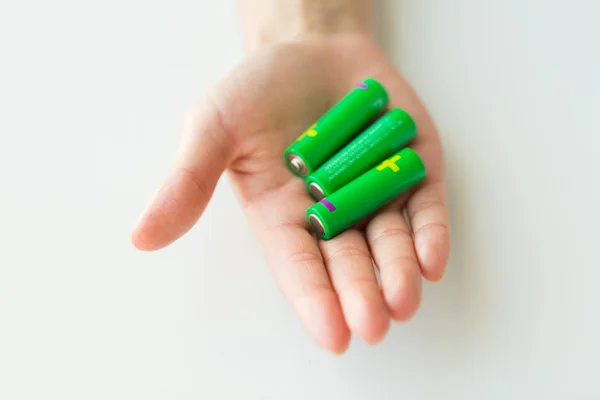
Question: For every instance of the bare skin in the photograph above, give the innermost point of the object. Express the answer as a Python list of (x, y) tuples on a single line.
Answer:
[(297, 67)]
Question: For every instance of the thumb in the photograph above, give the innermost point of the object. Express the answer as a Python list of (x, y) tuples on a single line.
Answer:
[(206, 151)]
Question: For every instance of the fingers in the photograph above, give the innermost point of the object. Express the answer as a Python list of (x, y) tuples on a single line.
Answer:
[(392, 247), (350, 268), (205, 152), (297, 266), (429, 220)]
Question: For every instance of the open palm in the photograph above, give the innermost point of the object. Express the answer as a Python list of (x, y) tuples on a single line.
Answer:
[(243, 126)]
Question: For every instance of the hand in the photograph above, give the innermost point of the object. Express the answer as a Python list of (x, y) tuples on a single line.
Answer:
[(242, 127)]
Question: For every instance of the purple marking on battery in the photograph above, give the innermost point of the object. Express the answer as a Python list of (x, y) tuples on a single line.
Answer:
[(363, 86), (328, 204)]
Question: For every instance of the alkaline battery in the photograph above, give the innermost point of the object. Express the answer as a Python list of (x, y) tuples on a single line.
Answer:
[(336, 127), (386, 136), (366, 194)]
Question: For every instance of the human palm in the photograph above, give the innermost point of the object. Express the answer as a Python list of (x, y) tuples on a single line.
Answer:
[(243, 126)]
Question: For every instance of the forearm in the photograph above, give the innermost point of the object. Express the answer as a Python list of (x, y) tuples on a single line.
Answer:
[(269, 21)]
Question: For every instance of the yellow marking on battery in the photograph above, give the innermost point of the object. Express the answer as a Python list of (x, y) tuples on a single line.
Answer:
[(310, 132), (390, 163)]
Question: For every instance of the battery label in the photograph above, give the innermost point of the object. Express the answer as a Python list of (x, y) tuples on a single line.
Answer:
[(311, 132), (390, 163), (328, 204)]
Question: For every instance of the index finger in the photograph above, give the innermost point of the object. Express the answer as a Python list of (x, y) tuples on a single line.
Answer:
[(297, 265)]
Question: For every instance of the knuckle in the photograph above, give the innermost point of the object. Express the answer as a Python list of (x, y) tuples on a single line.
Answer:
[(197, 181), (426, 206), (403, 261), (304, 257), (432, 225), (346, 252), (395, 233)]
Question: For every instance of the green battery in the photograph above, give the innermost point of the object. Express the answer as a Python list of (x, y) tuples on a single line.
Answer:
[(336, 127), (366, 194), (386, 136)]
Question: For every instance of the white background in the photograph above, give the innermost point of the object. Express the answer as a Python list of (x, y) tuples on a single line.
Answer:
[(91, 100)]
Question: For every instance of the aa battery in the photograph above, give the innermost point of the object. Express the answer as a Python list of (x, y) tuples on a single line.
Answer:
[(336, 127), (366, 194), (386, 136)]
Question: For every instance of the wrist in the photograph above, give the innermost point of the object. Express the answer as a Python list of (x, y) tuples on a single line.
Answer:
[(267, 22)]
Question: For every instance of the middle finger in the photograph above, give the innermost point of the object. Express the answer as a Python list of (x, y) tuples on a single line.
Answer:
[(350, 267)]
